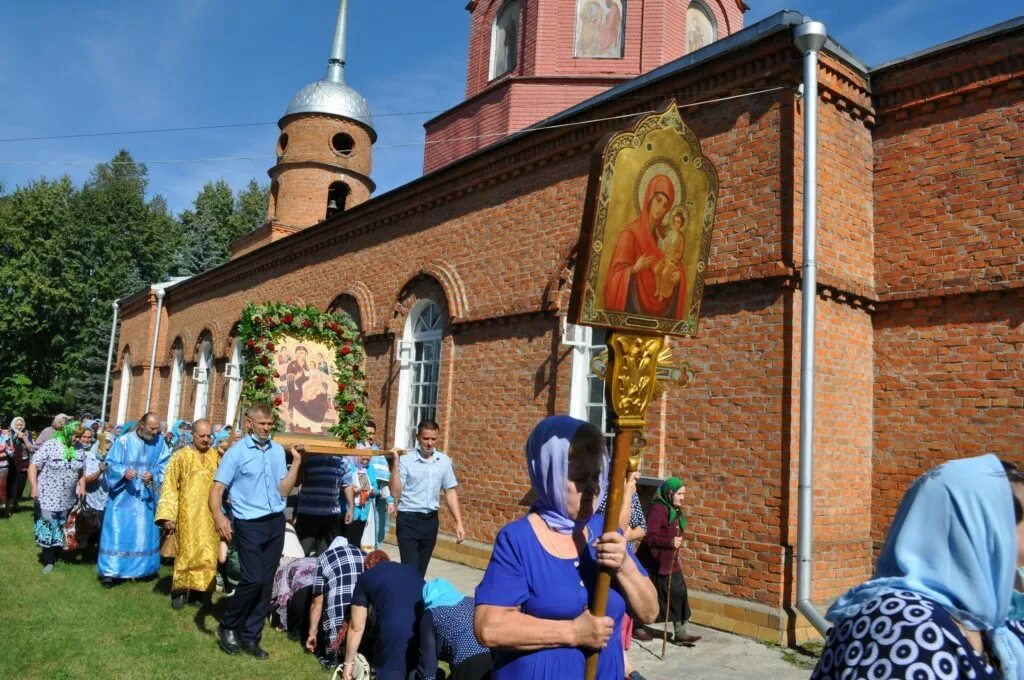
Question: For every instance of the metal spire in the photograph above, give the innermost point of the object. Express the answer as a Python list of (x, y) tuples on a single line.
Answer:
[(336, 64)]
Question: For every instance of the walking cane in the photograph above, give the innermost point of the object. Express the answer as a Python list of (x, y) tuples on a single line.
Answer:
[(668, 595)]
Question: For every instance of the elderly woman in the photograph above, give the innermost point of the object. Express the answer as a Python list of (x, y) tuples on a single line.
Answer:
[(660, 554), (943, 588), (56, 478), (366, 487), (531, 606), (446, 634), (22, 447)]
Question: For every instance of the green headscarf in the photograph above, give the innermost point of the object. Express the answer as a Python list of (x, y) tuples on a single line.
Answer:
[(65, 436), (664, 496)]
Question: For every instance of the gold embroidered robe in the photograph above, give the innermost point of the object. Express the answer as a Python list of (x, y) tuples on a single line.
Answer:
[(184, 500)]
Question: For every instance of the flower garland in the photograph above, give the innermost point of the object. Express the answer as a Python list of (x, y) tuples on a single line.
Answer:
[(263, 325)]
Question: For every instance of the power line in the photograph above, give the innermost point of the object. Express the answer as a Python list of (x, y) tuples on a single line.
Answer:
[(189, 128), (423, 143)]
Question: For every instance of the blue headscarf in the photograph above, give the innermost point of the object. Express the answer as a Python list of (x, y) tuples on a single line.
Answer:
[(127, 427), (954, 541), (547, 458), (221, 435), (437, 592)]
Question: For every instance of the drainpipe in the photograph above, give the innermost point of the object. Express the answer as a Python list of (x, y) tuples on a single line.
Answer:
[(156, 338), (809, 39), (110, 360)]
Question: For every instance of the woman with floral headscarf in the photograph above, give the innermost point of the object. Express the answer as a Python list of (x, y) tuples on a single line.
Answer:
[(57, 482), (660, 552), (22, 448), (531, 605)]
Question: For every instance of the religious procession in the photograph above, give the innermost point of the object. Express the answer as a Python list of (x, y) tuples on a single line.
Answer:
[(684, 340)]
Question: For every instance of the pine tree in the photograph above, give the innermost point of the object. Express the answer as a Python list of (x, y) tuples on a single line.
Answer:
[(199, 249)]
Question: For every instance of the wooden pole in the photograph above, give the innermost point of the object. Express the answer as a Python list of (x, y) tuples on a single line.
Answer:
[(668, 598), (616, 484)]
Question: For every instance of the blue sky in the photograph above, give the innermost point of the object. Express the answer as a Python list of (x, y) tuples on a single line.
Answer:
[(74, 67)]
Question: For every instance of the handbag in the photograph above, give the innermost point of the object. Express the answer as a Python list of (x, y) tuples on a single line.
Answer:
[(169, 548), (368, 541), (360, 669), (71, 529)]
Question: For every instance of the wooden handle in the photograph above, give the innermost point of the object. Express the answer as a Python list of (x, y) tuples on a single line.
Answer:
[(616, 485)]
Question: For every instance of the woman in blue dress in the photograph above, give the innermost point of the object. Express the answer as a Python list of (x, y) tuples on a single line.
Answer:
[(531, 607), (942, 602)]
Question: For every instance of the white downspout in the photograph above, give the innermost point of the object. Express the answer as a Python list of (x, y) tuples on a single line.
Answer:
[(110, 361), (809, 38), (156, 338)]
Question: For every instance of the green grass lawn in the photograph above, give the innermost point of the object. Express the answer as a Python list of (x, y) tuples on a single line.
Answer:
[(65, 625)]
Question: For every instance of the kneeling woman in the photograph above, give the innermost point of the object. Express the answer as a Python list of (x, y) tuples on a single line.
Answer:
[(531, 607)]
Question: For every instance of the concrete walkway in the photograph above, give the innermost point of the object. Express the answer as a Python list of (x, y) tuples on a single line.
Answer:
[(718, 656)]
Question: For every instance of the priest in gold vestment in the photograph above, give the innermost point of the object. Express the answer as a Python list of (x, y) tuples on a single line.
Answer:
[(184, 512)]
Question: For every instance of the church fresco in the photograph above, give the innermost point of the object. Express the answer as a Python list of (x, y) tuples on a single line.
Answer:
[(599, 28)]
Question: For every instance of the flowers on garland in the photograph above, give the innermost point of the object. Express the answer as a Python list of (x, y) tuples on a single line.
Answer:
[(261, 330)]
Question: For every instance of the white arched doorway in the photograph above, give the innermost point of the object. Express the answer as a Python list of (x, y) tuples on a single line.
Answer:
[(419, 358), (234, 376), (126, 382), (202, 374), (177, 375)]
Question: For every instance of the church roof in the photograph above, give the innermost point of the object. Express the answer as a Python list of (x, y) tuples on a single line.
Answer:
[(333, 98)]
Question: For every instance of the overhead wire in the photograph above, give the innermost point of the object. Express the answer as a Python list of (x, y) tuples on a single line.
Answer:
[(424, 143)]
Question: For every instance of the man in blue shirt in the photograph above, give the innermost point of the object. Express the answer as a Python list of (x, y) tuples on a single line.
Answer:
[(255, 473), (417, 483)]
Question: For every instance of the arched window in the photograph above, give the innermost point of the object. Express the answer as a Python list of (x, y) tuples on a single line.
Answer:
[(202, 374), (337, 194), (419, 358), (234, 376), (587, 394), (701, 30), (177, 374), (505, 39), (126, 382)]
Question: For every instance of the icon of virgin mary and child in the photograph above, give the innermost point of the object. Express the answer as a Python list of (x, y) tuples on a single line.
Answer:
[(646, 274)]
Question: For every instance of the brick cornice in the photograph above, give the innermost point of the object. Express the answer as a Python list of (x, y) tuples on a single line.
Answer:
[(846, 89), (959, 72)]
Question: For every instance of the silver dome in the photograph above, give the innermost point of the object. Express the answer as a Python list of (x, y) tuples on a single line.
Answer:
[(332, 98)]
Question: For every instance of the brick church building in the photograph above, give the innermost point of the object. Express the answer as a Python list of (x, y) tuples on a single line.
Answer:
[(459, 280)]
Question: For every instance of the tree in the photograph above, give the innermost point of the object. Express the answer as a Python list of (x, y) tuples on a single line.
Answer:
[(250, 210), (199, 250)]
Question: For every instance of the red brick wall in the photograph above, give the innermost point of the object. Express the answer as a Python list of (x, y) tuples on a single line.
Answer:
[(949, 383), (948, 174)]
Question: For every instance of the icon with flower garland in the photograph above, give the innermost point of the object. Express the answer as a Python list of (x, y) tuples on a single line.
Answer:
[(308, 366)]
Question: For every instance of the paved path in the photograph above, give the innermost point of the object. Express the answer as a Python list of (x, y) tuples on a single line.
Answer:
[(719, 656)]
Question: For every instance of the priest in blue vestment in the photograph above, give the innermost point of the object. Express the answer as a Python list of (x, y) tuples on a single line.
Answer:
[(130, 541)]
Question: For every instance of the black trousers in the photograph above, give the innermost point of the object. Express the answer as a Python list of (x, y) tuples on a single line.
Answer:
[(259, 543), (353, 532), (417, 535), (674, 590), (15, 486), (316, 532)]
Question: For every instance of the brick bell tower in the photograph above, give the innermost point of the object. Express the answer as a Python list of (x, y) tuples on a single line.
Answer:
[(531, 59), (323, 153)]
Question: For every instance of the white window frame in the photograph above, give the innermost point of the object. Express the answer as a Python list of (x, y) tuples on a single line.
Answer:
[(513, 7), (703, 8), (126, 380), (586, 343), (234, 383), (177, 376), (410, 412), (203, 388)]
